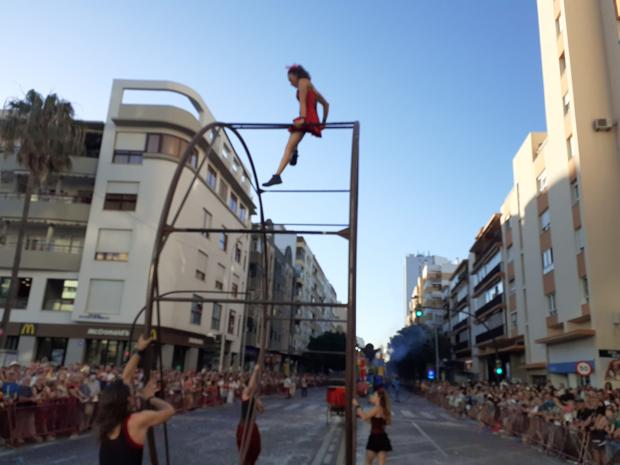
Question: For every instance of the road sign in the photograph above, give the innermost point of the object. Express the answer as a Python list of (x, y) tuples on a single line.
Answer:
[(583, 369)]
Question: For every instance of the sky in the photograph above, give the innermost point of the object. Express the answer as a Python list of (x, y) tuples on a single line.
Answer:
[(445, 92)]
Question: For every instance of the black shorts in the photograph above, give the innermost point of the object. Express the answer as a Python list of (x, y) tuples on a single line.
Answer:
[(379, 443)]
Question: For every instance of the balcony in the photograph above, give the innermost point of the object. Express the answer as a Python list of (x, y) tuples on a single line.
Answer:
[(491, 334), (460, 346), (497, 300), (58, 207), (41, 255), (488, 277)]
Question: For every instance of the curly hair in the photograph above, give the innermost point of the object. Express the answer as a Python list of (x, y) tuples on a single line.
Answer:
[(299, 71), (113, 408)]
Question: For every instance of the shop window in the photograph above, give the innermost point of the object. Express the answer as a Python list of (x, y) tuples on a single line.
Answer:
[(104, 352), (51, 349), (23, 292), (178, 358), (60, 295), (11, 343)]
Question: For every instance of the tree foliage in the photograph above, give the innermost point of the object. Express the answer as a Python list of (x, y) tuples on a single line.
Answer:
[(323, 362), (412, 349)]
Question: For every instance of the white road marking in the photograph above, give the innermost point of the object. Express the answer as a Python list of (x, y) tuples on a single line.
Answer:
[(320, 455), (274, 406), (446, 416), (426, 415), (292, 407), (407, 413), (421, 431)]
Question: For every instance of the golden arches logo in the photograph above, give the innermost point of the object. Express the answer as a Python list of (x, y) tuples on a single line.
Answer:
[(154, 334), (28, 329)]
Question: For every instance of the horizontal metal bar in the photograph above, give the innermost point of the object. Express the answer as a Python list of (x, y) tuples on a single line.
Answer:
[(327, 320), (252, 302), (335, 125), (335, 225), (169, 230), (198, 291), (305, 191), (326, 352)]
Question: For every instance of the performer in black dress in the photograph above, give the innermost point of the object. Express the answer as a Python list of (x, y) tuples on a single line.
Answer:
[(379, 416)]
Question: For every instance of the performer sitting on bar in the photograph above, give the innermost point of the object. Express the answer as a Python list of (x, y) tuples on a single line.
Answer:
[(121, 430), (306, 122)]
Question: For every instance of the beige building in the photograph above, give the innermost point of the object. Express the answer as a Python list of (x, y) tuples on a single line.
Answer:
[(90, 240), (429, 294), (561, 221)]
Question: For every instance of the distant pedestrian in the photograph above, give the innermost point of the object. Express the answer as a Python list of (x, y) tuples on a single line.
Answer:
[(304, 386), (379, 416)]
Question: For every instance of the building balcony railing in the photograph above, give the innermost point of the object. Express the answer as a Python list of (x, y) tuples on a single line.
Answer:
[(49, 197), (460, 324), (460, 346), (495, 301), (488, 277), (491, 334), (44, 255)]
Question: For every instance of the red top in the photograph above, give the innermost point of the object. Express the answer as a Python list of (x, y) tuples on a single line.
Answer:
[(311, 121)]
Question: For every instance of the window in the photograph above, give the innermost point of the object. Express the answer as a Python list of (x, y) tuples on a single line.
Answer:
[(514, 320), (223, 242), (170, 145), (212, 178), (122, 202), (238, 252), (571, 149), (579, 240), (219, 285), (235, 290), (566, 102), (562, 63), (225, 151), (113, 245), (207, 221), (153, 142), (23, 291), (233, 201), (223, 191), (550, 302), (196, 311), (509, 254), (488, 295), (60, 295), (201, 266), (541, 181), (585, 291), (574, 192), (52, 349), (235, 165), (545, 220), (547, 261), (128, 157), (559, 25), (243, 213), (216, 316), (617, 5), (105, 296), (231, 322)]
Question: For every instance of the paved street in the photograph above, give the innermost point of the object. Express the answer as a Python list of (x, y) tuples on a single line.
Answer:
[(295, 432)]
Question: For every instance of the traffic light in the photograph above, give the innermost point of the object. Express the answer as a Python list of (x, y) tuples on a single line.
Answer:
[(419, 312), (499, 371)]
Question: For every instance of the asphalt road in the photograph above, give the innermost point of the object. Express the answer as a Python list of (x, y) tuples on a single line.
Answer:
[(295, 432)]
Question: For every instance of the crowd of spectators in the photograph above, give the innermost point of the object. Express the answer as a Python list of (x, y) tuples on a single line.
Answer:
[(40, 401), (581, 423)]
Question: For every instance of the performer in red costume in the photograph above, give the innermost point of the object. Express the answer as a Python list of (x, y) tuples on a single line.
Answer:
[(306, 122)]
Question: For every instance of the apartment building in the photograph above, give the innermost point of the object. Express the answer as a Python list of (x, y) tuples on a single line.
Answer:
[(563, 214), (429, 294), (413, 270), (460, 320), (281, 280), (90, 241)]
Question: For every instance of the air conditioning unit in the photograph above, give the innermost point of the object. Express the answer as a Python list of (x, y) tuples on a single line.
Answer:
[(602, 124)]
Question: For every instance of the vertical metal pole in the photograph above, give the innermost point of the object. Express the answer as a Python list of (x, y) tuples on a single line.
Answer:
[(351, 334), (436, 354)]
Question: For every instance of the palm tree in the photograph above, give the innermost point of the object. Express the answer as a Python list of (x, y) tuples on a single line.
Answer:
[(42, 133)]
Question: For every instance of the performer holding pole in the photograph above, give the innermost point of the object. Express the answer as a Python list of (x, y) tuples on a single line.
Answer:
[(121, 429), (249, 402), (379, 416)]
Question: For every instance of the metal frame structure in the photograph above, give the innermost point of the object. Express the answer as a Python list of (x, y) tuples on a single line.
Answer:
[(167, 227)]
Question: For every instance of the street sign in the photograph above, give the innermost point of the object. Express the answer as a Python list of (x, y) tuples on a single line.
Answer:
[(584, 369)]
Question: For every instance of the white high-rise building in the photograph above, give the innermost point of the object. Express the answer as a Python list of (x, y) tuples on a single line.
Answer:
[(414, 264)]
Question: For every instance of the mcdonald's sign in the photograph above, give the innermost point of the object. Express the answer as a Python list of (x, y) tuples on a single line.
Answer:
[(28, 329), (154, 334)]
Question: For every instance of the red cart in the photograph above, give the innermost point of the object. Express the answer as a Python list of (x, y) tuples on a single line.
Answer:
[(335, 401)]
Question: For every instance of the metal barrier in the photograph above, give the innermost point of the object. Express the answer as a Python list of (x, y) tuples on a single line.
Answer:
[(552, 436)]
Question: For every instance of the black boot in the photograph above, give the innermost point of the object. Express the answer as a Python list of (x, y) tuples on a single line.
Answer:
[(275, 179), (294, 158)]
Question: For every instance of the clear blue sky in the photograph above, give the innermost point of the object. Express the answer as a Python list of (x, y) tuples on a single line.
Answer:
[(445, 91)]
